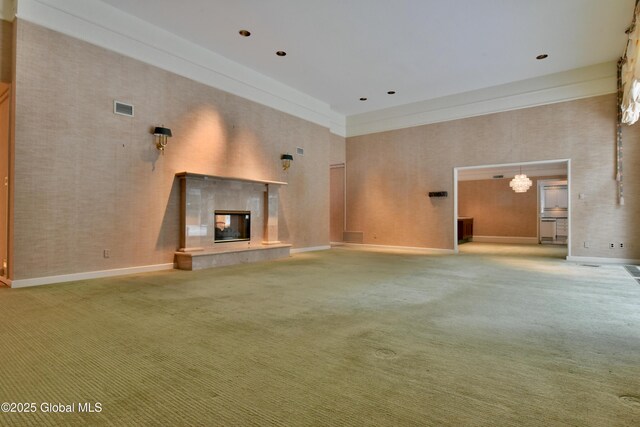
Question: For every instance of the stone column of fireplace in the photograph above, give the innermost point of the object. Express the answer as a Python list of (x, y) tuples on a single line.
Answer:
[(271, 215)]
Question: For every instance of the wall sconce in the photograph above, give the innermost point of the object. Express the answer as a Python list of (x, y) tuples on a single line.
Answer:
[(286, 161), (161, 133)]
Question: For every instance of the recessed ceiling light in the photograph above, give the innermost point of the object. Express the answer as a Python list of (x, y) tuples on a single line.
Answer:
[(363, 99), (281, 53), (543, 56), (244, 33), (391, 92)]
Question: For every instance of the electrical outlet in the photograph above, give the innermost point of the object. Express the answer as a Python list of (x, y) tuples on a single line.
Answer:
[(612, 245), (107, 253), (621, 245), (586, 244)]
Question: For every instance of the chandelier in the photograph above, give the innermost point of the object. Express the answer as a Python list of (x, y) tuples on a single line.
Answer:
[(520, 183)]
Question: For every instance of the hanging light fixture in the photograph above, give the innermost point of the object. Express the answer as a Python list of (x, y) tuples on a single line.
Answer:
[(520, 183)]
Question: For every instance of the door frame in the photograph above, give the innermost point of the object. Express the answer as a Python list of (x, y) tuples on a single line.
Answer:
[(529, 163), (5, 96), (344, 202)]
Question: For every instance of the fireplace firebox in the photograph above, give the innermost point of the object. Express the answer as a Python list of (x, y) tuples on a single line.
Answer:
[(232, 226)]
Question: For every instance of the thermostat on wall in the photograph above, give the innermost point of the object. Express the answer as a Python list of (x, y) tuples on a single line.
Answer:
[(438, 194)]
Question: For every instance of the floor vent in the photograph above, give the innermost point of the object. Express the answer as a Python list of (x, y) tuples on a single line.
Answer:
[(633, 270), (122, 108)]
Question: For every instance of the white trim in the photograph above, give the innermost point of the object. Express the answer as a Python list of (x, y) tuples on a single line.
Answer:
[(310, 249), (532, 162), (411, 248), (37, 281), (538, 172), (603, 260), (506, 239), (580, 83), (7, 10), (105, 26)]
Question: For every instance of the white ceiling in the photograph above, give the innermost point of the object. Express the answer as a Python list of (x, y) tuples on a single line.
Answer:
[(339, 51), (509, 171)]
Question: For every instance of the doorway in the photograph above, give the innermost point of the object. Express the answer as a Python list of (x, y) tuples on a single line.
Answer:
[(337, 203), (498, 214)]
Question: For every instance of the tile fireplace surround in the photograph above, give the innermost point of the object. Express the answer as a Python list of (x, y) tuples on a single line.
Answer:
[(202, 195)]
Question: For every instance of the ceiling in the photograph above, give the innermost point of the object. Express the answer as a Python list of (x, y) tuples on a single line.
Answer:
[(339, 51), (509, 171)]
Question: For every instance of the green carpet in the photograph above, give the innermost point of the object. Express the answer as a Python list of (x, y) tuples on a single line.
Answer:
[(498, 335)]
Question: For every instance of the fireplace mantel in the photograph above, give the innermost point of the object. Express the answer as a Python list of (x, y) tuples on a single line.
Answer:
[(228, 178), (202, 195)]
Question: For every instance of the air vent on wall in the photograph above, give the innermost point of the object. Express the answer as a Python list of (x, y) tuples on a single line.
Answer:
[(122, 108), (300, 151), (498, 176)]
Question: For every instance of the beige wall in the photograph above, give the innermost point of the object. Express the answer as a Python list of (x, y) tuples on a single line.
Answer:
[(390, 173), (337, 150), (88, 180), (497, 210), (6, 46)]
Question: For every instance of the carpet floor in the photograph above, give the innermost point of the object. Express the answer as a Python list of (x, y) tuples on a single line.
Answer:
[(497, 335)]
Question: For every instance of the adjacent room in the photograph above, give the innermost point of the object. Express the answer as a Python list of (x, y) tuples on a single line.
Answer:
[(529, 206), (291, 213)]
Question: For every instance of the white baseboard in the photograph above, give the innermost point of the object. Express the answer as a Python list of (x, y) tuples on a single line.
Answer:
[(37, 281), (603, 260), (505, 239), (411, 248), (310, 249)]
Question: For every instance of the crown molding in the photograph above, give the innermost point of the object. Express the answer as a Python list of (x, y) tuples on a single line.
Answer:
[(105, 26), (574, 84)]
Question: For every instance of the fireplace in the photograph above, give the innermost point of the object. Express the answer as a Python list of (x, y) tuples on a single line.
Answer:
[(232, 226)]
